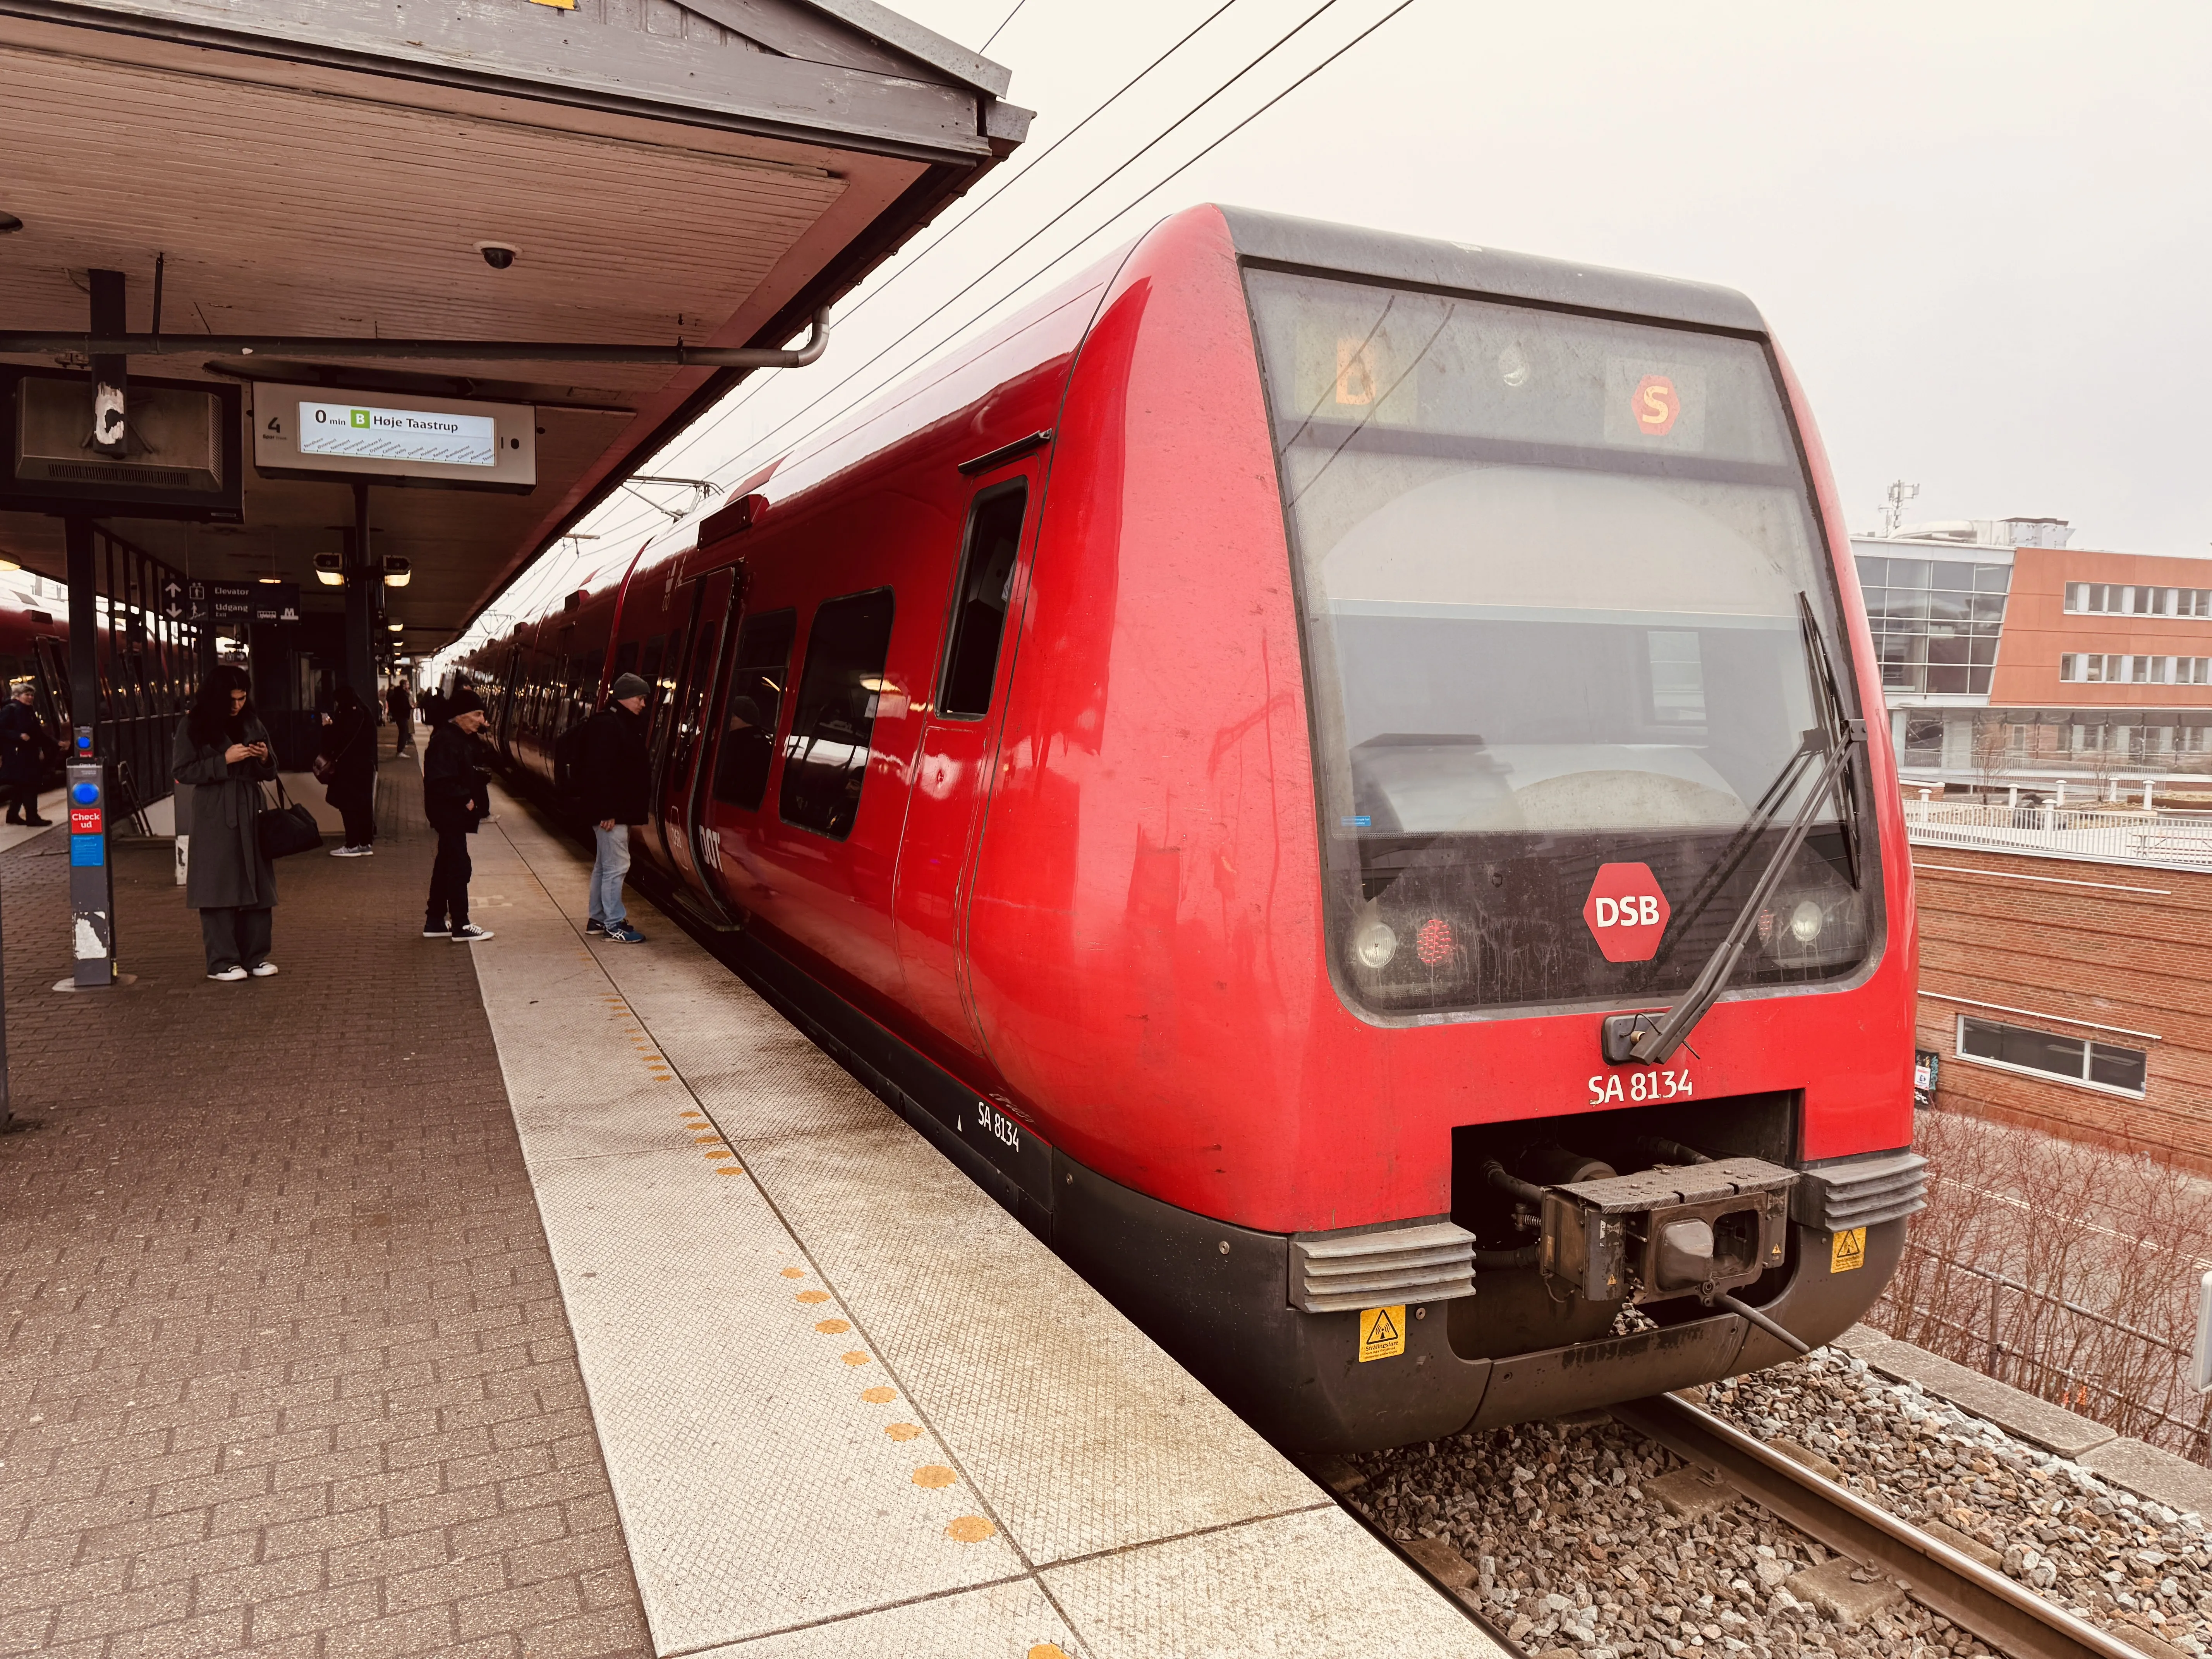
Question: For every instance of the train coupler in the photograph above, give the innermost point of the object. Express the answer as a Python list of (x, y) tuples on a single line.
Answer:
[(1697, 1230)]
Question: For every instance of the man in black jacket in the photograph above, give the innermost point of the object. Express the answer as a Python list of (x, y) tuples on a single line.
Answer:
[(614, 783), (25, 750), (456, 797)]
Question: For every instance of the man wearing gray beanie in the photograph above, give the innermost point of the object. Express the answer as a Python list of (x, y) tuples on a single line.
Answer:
[(614, 783)]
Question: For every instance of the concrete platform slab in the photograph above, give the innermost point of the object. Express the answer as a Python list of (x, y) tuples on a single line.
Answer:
[(2152, 1471), (844, 1399), (2036, 1421)]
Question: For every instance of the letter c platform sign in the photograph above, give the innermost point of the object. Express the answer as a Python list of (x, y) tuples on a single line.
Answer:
[(1625, 911)]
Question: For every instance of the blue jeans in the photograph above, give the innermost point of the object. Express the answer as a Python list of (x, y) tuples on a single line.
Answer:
[(609, 866)]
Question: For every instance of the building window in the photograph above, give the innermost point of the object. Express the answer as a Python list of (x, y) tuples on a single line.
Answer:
[(2073, 1059), (2118, 600), (1936, 622)]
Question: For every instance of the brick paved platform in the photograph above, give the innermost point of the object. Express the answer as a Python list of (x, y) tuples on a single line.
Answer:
[(283, 1364)]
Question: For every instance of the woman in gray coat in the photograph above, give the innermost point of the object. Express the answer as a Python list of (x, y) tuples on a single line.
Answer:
[(223, 752)]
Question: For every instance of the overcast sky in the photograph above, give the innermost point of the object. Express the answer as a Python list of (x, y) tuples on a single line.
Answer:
[(1979, 231)]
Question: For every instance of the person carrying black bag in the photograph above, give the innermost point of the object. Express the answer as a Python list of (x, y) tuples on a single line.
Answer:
[(456, 797), (26, 750), (223, 753)]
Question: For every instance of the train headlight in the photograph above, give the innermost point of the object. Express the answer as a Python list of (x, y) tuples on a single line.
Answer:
[(1819, 926), (1375, 944)]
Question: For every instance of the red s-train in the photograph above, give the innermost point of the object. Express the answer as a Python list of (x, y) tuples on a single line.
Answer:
[(1328, 771)]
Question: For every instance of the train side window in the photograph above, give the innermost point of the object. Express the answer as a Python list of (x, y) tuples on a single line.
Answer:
[(626, 658), (825, 758), (755, 703), (979, 602)]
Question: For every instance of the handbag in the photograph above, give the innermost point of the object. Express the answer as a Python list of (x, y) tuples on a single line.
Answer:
[(285, 829), (325, 767)]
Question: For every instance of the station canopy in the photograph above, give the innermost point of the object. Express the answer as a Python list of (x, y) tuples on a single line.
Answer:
[(705, 172)]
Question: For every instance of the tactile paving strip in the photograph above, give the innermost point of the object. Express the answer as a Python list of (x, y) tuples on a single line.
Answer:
[(1045, 1427)]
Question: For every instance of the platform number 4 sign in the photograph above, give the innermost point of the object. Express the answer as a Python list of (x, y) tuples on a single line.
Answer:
[(1382, 1331)]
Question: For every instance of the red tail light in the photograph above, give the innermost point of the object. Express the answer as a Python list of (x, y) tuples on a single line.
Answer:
[(1434, 941)]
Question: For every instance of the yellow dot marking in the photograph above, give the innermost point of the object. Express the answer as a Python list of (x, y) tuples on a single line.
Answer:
[(855, 1357), (706, 1140), (902, 1432), (879, 1396), (969, 1529), (812, 1297), (1048, 1651), (933, 1475), (715, 1154), (833, 1327), (727, 1168), (794, 1273)]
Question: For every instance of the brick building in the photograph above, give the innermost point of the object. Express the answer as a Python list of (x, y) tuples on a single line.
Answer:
[(2008, 656), (2069, 995)]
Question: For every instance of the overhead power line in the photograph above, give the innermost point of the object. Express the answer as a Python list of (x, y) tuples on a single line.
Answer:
[(1129, 162), (1150, 190), (730, 409), (622, 529)]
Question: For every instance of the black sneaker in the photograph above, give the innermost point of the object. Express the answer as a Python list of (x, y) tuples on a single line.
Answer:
[(594, 929), (436, 930)]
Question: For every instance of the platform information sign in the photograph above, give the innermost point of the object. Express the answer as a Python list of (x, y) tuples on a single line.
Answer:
[(368, 433), (461, 443)]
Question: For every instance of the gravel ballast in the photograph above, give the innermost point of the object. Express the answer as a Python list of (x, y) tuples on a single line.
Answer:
[(1573, 1554)]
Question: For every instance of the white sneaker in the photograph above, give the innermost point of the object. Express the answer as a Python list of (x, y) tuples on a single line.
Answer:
[(470, 934), (262, 970), (229, 975), (352, 852)]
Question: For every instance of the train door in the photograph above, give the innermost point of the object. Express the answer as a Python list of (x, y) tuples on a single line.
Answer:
[(54, 684), (715, 599), (956, 744), (508, 688)]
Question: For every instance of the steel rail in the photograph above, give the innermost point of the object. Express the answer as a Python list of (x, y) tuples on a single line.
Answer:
[(2010, 1617)]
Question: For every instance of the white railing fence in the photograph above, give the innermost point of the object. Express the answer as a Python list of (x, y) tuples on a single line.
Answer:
[(2104, 832)]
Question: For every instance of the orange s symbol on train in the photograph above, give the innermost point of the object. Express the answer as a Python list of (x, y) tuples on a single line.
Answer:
[(1655, 405)]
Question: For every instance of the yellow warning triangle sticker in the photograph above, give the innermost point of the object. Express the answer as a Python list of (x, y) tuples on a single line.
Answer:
[(1382, 1331)]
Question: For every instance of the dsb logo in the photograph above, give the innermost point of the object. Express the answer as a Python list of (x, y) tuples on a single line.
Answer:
[(1626, 912)]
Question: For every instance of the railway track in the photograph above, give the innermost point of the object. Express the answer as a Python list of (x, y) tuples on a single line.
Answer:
[(1980, 1603), (2009, 1617)]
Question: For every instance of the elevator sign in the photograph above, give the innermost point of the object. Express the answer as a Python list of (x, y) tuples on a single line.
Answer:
[(398, 434), (1625, 911)]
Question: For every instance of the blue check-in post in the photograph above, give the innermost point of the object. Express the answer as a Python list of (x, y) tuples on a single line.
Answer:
[(92, 887)]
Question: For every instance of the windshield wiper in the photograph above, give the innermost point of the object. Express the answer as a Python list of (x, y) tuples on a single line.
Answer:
[(1833, 724), (1652, 1038)]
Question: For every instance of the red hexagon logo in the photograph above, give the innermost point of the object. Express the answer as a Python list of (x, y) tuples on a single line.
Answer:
[(1625, 911)]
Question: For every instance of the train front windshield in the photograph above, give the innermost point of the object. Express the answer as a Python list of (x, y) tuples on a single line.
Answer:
[(1551, 569)]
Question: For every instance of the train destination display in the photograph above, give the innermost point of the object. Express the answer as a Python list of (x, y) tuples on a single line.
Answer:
[(460, 443), (398, 434)]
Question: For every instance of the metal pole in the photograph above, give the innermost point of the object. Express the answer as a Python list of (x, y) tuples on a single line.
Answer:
[(360, 602), (92, 898)]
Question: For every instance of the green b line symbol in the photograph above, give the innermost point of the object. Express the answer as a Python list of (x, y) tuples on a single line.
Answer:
[(359, 417)]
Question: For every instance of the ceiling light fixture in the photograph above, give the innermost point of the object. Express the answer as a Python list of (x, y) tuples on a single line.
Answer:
[(330, 570), (397, 572), (394, 627)]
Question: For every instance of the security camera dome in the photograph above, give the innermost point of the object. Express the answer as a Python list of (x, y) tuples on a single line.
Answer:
[(498, 255)]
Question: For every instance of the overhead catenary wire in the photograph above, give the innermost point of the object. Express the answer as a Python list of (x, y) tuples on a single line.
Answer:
[(1129, 162), (1002, 29), (621, 530), (862, 368), (714, 421), (977, 317)]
